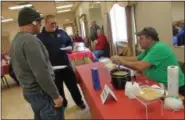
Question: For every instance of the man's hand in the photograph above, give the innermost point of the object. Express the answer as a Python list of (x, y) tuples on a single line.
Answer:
[(58, 102), (95, 41), (69, 48), (115, 59)]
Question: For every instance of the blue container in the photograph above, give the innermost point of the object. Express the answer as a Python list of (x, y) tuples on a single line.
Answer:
[(95, 79)]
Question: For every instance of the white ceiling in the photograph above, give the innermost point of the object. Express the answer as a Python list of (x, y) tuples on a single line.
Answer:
[(44, 8)]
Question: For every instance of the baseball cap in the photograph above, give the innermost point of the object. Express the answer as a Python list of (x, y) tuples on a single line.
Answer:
[(27, 16), (149, 31)]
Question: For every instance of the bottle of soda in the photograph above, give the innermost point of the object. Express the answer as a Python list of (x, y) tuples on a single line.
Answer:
[(95, 79)]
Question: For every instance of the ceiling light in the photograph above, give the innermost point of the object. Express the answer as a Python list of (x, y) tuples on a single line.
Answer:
[(6, 20), (97, 2), (64, 6), (61, 11), (19, 7), (59, 0)]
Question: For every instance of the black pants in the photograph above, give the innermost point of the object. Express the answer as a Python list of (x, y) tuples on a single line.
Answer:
[(14, 77), (68, 76)]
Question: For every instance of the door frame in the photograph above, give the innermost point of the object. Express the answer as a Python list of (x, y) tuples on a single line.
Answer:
[(67, 25)]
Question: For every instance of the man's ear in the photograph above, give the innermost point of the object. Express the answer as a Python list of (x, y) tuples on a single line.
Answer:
[(34, 23)]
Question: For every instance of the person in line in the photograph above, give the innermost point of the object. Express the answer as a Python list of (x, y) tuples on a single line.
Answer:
[(154, 61), (175, 32), (93, 33), (30, 62), (78, 38), (100, 44), (180, 34), (58, 44)]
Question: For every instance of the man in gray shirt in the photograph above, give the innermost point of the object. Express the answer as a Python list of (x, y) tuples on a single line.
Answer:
[(30, 62)]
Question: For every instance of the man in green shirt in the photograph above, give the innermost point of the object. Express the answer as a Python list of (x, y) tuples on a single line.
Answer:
[(154, 61)]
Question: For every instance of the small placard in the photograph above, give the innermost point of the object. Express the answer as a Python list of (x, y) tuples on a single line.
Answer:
[(107, 93)]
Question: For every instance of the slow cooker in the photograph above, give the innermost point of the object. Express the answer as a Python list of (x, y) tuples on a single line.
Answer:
[(119, 80)]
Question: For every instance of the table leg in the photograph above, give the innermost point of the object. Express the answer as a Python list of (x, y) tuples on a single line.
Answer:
[(146, 111), (161, 107)]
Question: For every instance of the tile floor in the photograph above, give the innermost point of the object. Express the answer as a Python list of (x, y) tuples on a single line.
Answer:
[(15, 107)]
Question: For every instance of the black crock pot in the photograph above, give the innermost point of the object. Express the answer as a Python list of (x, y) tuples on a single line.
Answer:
[(119, 81)]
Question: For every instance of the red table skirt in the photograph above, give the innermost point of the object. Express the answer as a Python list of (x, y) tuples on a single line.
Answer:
[(81, 55)]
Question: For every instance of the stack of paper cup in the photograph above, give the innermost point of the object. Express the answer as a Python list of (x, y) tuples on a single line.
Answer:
[(173, 80)]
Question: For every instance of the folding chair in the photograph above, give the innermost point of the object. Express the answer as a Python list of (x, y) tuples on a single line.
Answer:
[(4, 71)]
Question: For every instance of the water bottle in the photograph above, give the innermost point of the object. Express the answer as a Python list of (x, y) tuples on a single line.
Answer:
[(95, 79)]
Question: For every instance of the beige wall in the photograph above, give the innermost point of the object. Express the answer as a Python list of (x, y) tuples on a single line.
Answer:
[(83, 8), (177, 11), (91, 14), (159, 16), (95, 14), (11, 27), (65, 18)]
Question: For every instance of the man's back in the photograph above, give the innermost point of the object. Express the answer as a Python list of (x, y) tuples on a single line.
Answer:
[(20, 61)]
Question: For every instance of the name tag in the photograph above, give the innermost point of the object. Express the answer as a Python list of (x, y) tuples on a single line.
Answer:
[(58, 35)]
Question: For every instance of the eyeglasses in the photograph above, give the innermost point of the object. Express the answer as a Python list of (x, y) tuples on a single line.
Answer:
[(53, 23)]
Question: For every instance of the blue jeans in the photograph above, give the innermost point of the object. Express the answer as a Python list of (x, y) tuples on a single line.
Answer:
[(98, 53), (43, 107)]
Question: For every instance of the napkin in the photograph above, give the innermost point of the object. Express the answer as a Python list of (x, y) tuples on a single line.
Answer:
[(132, 89), (59, 67)]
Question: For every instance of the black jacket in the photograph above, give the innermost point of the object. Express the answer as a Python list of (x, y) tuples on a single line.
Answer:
[(53, 42)]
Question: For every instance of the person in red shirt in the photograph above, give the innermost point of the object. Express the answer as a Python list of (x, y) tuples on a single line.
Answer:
[(77, 38), (101, 44)]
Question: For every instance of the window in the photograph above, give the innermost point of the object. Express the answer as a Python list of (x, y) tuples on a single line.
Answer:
[(118, 23), (82, 25), (69, 30)]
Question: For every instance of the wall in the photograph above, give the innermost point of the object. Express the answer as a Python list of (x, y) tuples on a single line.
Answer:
[(65, 18), (83, 8), (177, 11), (95, 14), (91, 14), (159, 16), (12, 28)]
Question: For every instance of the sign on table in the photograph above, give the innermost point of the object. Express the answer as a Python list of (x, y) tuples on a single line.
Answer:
[(107, 93)]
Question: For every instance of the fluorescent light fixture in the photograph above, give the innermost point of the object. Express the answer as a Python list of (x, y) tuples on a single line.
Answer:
[(64, 6), (61, 11), (59, 0), (97, 2), (19, 7), (6, 20)]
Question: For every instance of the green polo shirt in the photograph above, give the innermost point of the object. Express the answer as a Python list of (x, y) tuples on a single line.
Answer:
[(160, 56)]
